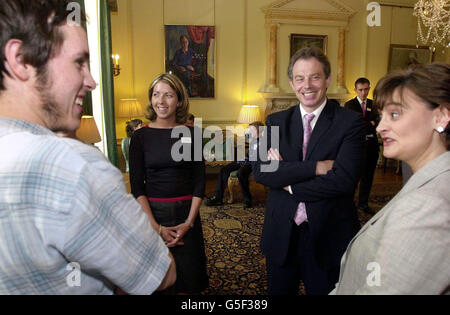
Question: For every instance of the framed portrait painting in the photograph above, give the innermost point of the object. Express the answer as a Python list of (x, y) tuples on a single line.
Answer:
[(190, 55), (299, 41), (404, 56)]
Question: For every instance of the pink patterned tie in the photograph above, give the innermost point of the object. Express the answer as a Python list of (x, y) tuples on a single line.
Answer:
[(363, 106), (300, 215)]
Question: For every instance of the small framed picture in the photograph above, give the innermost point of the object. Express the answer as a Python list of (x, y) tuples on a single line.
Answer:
[(299, 41), (405, 56)]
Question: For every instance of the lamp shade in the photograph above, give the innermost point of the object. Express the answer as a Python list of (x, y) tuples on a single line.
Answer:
[(88, 131), (249, 114), (130, 108)]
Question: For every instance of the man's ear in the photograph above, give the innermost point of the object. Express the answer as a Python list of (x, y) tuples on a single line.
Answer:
[(14, 62)]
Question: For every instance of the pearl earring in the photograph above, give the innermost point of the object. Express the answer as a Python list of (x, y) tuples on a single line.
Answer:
[(440, 129)]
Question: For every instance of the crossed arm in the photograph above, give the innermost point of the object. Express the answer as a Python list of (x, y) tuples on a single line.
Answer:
[(316, 180)]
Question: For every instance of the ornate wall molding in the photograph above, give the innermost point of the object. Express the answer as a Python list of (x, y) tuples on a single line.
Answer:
[(339, 15), (293, 12), (398, 3)]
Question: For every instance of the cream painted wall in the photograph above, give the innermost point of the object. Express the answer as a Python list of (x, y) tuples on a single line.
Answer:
[(257, 43), (139, 29), (122, 44), (356, 46), (241, 48), (367, 50)]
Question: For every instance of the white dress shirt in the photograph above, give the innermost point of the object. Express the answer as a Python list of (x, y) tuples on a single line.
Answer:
[(316, 113)]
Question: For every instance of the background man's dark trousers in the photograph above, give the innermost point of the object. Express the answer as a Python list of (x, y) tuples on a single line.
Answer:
[(244, 170), (368, 170)]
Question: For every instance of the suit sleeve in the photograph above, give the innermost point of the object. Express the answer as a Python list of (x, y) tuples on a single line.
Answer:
[(344, 176), (374, 116), (280, 173), (348, 104)]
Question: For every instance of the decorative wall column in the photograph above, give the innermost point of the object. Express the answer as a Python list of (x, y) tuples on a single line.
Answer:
[(341, 63), (273, 58)]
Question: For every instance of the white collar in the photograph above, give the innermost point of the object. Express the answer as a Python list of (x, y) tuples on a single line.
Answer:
[(360, 100), (316, 113)]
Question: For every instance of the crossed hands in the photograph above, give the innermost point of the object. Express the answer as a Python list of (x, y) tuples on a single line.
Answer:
[(173, 235), (322, 167)]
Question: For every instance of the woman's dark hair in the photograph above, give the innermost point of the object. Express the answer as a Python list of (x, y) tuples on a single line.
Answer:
[(430, 82), (131, 125), (36, 23)]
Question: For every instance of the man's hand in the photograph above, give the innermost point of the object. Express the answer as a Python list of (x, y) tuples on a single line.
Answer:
[(190, 68), (322, 167)]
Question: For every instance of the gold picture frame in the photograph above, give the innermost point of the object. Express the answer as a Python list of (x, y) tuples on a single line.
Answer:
[(404, 56), (196, 67), (299, 41)]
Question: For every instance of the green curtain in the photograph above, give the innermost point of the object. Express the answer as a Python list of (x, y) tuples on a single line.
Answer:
[(108, 83)]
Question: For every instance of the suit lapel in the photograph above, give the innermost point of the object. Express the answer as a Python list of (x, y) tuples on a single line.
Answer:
[(296, 132), (357, 105), (369, 108), (322, 125)]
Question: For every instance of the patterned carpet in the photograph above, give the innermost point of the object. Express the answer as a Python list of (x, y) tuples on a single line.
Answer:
[(235, 263)]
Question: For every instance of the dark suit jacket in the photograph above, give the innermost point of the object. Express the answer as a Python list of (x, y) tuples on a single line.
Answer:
[(338, 135), (371, 115)]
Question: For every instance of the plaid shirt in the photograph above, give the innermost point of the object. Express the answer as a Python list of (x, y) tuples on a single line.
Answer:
[(67, 225)]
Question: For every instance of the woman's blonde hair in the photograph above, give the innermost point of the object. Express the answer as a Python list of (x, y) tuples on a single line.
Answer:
[(182, 111)]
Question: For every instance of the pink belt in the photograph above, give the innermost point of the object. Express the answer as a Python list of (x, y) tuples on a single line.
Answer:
[(174, 199)]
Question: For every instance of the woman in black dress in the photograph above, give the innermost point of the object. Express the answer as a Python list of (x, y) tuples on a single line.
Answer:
[(171, 190)]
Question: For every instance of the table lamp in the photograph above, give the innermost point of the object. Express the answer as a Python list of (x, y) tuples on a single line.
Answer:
[(249, 114), (88, 131), (129, 108)]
